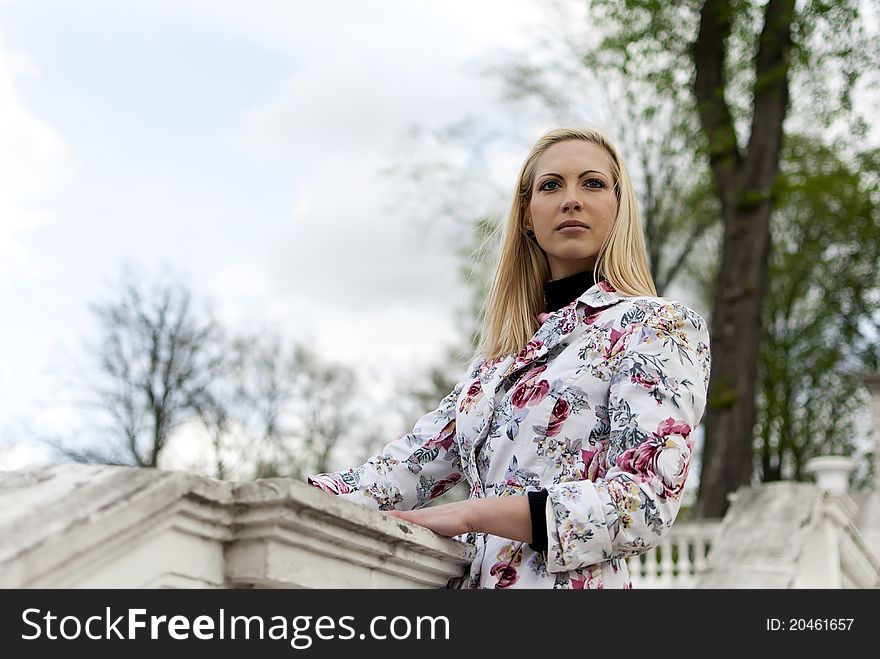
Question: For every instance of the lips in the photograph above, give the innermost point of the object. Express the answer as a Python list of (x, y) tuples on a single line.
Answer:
[(572, 224)]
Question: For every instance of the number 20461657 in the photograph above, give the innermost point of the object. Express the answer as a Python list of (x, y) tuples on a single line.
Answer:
[(809, 624)]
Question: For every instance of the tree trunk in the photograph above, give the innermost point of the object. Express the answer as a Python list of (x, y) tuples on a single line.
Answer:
[(744, 183), (736, 338)]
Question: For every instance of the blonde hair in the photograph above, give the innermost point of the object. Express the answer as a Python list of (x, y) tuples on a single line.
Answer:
[(517, 292)]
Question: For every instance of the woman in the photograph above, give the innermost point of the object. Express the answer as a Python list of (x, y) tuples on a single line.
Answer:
[(574, 423)]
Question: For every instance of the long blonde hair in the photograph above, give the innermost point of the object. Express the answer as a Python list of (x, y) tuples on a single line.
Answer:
[(517, 293)]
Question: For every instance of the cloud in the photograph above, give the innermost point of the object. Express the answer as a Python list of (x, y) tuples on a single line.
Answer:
[(362, 80), (299, 223), (31, 160)]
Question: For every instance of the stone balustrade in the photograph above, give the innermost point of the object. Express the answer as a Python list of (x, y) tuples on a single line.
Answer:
[(678, 560), (791, 535), (116, 527)]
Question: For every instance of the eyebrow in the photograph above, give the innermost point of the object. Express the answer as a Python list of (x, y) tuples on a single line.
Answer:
[(582, 174)]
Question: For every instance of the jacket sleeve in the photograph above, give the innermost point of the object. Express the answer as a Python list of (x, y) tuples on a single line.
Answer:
[(656, 398), (411, 470)]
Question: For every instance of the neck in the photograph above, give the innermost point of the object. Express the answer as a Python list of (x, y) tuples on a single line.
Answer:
[(561, 292)]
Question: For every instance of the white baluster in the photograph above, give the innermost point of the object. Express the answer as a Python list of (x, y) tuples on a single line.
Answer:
[(690, 543), (636, 567), (700, 546), (666, 566), (656, 568), (678, 556), (647, 566), (685, 564)]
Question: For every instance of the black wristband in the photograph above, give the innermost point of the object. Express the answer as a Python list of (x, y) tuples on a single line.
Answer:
[(537, 504)]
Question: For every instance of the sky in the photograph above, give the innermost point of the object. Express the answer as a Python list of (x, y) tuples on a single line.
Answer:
[(262, 151)]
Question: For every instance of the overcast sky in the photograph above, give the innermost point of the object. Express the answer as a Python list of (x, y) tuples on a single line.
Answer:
[(259, 149)]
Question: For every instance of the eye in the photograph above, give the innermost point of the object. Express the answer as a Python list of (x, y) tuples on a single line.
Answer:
[(595, 180), (544, 185)]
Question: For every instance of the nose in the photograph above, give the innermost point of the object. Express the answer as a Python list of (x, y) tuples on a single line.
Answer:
[(571, 205)]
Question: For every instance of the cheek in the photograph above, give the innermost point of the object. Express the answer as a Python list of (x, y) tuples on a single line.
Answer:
[(607, 211), (604, 205), (542, 213), (612, 208)]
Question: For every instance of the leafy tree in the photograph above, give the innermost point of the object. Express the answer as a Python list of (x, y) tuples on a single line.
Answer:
[(822, 323), (729, 66)]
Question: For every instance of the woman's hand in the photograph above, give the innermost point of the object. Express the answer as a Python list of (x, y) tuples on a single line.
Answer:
[(507, 517), (446, 519)]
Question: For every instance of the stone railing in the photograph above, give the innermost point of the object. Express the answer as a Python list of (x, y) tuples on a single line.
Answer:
[(99, 526), (116, 527), (678, 561), (790, 535)]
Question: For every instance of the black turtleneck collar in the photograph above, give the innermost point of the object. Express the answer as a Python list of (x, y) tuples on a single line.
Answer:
[(560, 292)]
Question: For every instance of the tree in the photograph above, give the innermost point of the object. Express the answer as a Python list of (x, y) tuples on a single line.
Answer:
[(221, 411), (155, 363), (285, 412), (740, 59), (164, 368), (822, 323)]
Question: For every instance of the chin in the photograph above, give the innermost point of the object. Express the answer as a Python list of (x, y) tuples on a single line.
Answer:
[(574, 253)]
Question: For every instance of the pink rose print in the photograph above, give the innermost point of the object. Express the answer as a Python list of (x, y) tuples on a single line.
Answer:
[(442, 485), (588, 578), (529, 392), (470, 399), (594, 461), (661, 460), (329, 484), (507, 575), (560, 413), (672, 427), (618, 341), (530, 351), (605, 286), (488, 365), (445, 438), (646, 381), (569, 319)]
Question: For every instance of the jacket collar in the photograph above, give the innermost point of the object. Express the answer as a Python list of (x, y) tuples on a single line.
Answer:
[(599, 296), (562, 323)]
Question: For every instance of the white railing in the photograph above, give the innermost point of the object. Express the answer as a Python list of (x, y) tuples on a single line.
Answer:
[(94, 526), (678, 560)]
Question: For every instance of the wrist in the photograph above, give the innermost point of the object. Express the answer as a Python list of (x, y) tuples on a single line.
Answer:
[(507, 517), (472, 516)]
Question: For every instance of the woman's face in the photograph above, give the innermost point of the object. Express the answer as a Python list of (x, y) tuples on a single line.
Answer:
[(573, 205)]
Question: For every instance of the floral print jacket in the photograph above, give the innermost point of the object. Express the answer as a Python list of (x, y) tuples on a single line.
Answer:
[(598, 408)]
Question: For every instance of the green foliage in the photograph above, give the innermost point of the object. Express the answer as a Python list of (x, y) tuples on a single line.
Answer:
[(650, 41), (822, 327)]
